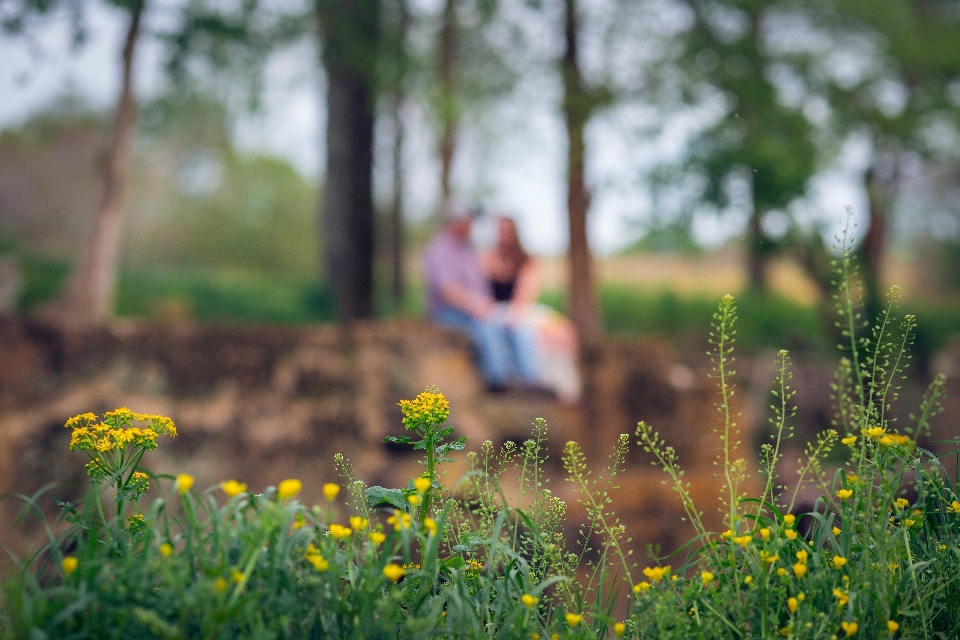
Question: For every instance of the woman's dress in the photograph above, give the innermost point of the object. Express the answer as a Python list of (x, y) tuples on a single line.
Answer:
[(555, 338)]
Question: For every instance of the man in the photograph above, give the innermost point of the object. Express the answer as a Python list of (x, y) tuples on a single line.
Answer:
[(459, 296)]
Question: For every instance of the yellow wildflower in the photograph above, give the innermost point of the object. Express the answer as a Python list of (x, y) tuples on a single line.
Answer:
[(399, 520), (619, 628), (431, 525), (780, 572), (842, 597), (836, 531), (394, 572), (765, 533), (789, 519), (573, 619), (849, 628), (184, 482), (428, 408), (319, 562), (358, 524), (237, 576), (844, 494), (954, 507), (799, 570), (656, 573), (299, 521), (792, 604), (875, 432), (220, 585), (851, 478), (414, 500), (289, 488), (749, 579), (802, 556), (909, 522), (849, 440), (69, 565), (330, 491), (528, 600), (233, 488), (892, 626), (376, 537), (790, 534), (166, 549), (339, 531), (640, 587), (726, 534), (743, 541), (896, 439), (422, 484), (839, 561), (706, 577), (785, 631)]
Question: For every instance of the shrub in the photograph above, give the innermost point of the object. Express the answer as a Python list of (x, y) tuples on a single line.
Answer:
[(878, 557)]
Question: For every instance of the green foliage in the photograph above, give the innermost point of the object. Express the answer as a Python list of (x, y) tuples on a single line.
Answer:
[(766, 321), (878, 556), (224, 295)]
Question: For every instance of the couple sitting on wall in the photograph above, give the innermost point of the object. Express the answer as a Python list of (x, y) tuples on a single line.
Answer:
[(492, 297)]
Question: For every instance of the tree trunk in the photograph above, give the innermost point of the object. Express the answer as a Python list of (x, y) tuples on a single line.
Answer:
[(396, 206), (90, 293), (350, 32), (449, 113), (758, 258), (577, 109), (873, 247)]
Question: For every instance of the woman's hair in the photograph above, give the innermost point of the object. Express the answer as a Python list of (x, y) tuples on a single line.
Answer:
[(509, 249)]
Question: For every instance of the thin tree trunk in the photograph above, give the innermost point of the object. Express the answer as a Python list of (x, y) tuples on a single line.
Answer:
[(350, 32), (449, 113), (396, 206), (873, 247), (90, 293), (757, 254), (577, 110)]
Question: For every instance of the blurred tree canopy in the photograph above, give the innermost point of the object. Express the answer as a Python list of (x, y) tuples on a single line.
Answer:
[(196, 203), (772, 93)]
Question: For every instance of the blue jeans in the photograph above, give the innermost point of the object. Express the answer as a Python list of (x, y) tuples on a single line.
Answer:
[(503, 352)]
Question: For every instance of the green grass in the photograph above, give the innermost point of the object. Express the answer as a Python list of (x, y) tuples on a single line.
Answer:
[(223, 296), (766, 322)]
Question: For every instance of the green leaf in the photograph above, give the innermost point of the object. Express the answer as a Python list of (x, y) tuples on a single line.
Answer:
[(380, 495)]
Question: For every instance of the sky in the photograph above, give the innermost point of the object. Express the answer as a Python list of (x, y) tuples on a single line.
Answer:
[(511, 161)]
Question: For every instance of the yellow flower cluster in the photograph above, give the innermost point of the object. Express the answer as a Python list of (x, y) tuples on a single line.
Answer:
[(314, 557), (655, 574), (115, 432), (399, 520), (429, 408), (800, 568), (896, 439)]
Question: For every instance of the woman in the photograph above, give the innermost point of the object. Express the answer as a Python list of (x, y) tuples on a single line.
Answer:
[(515, 283)]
